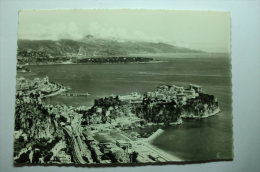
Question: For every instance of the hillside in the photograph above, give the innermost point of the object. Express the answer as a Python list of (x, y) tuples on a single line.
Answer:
[(90, 46)]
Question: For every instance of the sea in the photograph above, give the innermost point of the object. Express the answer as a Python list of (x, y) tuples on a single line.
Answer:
[(194, 140)]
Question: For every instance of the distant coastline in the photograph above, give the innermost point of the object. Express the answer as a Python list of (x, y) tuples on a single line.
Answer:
[(70, 63)]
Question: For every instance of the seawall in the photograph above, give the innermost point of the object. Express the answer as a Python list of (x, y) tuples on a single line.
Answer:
[(155, 135)]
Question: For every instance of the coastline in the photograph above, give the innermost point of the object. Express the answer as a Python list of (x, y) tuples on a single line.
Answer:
[(163, 153), (150, 153), (192, 116), (56, 93), (178, 122), (148, 62)]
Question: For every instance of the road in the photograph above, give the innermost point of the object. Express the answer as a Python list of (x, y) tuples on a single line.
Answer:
[(79, 149)]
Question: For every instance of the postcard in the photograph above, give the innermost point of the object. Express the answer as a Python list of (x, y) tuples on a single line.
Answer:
[(123, 87)]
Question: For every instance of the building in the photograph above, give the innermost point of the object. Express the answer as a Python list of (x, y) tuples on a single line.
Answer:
[(123, 144), (160, 96), (120, 155), (150, 94), (92, 141), (182, 97), (190, 93), (134, 97), (179, 90), (106, 147), (197, 88), (63, 157)]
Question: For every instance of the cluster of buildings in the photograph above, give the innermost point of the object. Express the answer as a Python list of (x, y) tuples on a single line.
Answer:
[(66, 116), (122, 148), (29, 55), (133, 97), (22, 68), (108, 152), (123, 151), (164, 93), (41, 121), (43, 85), (173, 92)]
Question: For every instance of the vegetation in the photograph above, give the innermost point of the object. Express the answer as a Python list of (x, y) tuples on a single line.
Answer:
[(167, 112), (88, 48), (114, 60), (199, 105), (133, 157), (39, 132), (158, 112), (99, 46), (108, 102)]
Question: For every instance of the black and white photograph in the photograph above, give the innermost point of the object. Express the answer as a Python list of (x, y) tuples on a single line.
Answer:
[(114, 87)]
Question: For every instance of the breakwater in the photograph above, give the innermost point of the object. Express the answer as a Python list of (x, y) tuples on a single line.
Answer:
[(155, 135)]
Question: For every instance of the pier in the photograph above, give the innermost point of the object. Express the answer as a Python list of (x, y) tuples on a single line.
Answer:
[(75, 94)]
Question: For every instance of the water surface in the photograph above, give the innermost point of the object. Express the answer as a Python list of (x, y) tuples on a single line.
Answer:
[(206, 139)]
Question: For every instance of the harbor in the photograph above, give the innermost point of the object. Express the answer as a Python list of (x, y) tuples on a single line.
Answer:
[(154, 151)]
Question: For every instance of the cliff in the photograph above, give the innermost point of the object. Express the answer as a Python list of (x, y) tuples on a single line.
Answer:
[(167, 105)]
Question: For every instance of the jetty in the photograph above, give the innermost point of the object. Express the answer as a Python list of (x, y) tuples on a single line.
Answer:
[(75, 94), (155, 135)]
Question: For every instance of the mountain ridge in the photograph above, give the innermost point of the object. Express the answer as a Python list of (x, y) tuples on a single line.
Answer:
[(90, 46)]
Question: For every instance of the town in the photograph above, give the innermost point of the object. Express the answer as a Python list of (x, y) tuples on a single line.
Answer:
[(104, 133), (29, 56)]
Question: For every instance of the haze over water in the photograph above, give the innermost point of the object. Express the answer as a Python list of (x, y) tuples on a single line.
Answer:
[(205, 139)]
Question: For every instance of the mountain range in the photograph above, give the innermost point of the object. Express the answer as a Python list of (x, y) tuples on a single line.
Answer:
[(90, 46)]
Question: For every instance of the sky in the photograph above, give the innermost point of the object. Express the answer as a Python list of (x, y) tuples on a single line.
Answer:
[(203, 30)]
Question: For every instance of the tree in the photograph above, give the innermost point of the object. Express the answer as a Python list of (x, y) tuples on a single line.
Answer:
[(133, 157)]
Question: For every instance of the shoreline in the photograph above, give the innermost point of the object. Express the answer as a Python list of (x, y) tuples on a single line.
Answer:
[(148, 62), (162, 153), (178, 122), (56, 93), (216, 111), (152, 152)]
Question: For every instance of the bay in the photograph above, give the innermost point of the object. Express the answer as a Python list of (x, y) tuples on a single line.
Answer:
[(206, 139)]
